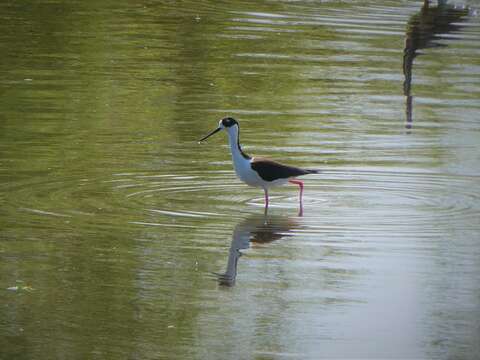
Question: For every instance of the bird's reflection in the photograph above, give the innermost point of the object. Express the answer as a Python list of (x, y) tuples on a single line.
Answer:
[(421, 31), (254, 229)]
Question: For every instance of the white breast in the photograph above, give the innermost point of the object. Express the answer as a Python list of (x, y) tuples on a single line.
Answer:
[(245, 172), (243, 167)]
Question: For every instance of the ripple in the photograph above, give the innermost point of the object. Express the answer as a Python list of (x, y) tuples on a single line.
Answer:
[(47, 213), (185, 213), (336, 199)]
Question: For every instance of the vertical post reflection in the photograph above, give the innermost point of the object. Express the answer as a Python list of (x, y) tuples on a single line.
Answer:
[(421, 31)]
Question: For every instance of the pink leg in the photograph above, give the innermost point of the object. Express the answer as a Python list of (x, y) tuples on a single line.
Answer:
[(300, 185), (266, 201)]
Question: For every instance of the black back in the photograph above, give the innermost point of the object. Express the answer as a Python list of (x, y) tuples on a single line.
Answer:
[(270, 170)]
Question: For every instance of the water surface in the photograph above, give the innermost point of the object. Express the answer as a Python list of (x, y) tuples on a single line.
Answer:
[(121, 237)]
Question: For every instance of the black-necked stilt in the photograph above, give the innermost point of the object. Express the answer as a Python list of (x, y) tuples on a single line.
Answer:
[(255, 171)]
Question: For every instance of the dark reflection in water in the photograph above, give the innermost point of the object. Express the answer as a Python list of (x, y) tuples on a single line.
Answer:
[(421, 31), (256, 229)]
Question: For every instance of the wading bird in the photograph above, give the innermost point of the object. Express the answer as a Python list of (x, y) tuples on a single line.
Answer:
[(256, 171)]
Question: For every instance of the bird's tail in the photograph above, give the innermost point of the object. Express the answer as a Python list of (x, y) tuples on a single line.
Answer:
[(312, 171)]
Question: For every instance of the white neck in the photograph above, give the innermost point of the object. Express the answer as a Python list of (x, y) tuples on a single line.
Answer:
[(239, 161), (233, 134)]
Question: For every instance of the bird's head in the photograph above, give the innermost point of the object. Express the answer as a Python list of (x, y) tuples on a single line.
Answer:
[(229, 124)]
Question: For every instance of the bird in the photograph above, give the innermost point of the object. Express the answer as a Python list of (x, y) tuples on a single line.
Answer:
[(257, 171)]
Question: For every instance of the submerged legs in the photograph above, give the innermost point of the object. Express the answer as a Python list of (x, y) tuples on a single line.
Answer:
[(300, 185), (266, 200), (296, 182)]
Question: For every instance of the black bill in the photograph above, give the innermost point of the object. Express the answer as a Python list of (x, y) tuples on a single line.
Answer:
[(213, 132)]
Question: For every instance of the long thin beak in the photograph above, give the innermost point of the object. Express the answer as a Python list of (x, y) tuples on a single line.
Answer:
[(213, 132)]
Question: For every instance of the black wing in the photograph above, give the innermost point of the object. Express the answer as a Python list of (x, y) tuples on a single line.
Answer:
[(270, 170)]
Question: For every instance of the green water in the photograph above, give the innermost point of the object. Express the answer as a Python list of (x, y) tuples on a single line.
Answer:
[(120, 236)]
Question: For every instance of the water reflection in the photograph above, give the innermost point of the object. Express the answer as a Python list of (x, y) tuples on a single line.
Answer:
[(421, 32), (256, 229), (112, 215)]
